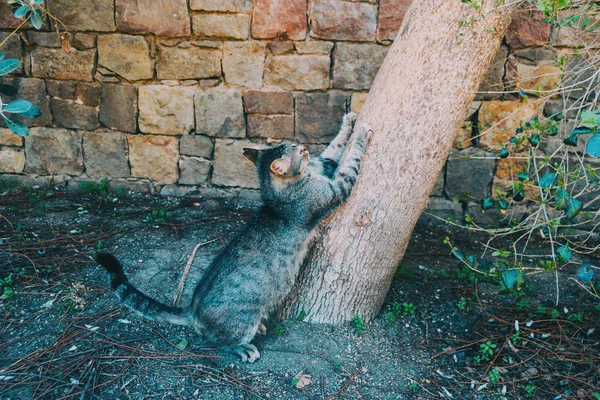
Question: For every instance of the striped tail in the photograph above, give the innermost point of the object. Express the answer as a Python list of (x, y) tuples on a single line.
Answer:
[(138, 301)]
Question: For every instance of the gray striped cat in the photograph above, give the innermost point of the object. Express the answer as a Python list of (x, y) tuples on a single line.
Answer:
[(256, 270)]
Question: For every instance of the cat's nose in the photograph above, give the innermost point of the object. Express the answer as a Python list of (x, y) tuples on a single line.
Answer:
[(303, 150)]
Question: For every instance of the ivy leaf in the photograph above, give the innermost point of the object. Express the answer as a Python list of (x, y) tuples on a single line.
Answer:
[(504, 153), (513, 278), (8, 90), (571, 140), (534, 139), (574, 208), (502, 204), (519, 195), (562, 200), (459, 254), (585, 273), (581, 130), (522, 176), (17, 107), (487, 203), (564, 254), (547, 180), (21, 12), (8, 65), (593, 146), (16, 126), (36, 19)]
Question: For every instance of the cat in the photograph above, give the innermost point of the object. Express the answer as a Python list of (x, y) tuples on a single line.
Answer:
[(256, 270)]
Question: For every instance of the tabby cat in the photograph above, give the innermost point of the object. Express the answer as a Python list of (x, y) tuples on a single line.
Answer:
[(257, 269)]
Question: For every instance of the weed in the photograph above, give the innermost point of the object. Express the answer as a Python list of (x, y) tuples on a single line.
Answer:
[(486, 351), (554, 314), (408, 309), (101, 188), (414, 386), (494, 376), (541, 310), (158, 217), (302, 315), (6, 285), (529, 391), (575, 317), (389, 317), (522, 304), (462, 304), (278, 330), (516, 338), (404, 272), (397, 308), (359, 325)]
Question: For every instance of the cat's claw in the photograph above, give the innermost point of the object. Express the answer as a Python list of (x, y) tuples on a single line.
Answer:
[(262, 330), (349, 118), (248, 352)]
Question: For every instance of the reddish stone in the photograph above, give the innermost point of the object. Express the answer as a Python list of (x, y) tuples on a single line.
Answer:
[(340, 20), (7, 19), (527, 31), (284, 19), (391, 14), (161, 17)]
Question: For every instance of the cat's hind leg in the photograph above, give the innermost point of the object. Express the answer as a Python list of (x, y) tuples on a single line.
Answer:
[(336, 148)]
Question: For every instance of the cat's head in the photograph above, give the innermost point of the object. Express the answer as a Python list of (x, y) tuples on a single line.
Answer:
[(283, 162)]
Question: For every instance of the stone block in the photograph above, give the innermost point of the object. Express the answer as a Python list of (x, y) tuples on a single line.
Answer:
[(220, 113), (314, 47), (196, 145), (34, 91), (271, 126), (53, 151), (7, 18), (193, 170), (154, 157), (88, 94), (508, 168), (243, 63), (340, 20), (227, 26), (282, 19), (391, 14), (105, 155), (84, 15), (68, 114), (355, 65), (13, 48), (470, 176), (188, 63), (12, 160), (263, 102), (166, 109), (528, 30), (438, 188), (319, 116), (298, 72), (439, 209), (498, 121), (230, 167), (532, 78), (161, 17), (126, 55), (357, 101), (83, 41), (493, 85), (58, 64), (464, 138), (9, 138), (221, 5), (118, 107), (278, 48)]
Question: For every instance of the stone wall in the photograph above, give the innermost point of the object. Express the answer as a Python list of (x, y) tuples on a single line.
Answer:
[(161, 95)]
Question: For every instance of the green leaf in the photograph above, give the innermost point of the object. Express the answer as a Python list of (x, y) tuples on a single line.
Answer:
[(487, 203), (582, 130), (513, 278), (597, 395), (564, 254), (502, 204), (575, 206), (504, 153), (562, 200), (33, 112), (585, 273), (21, 12), (519, 195), (522, 176), (16, 126), (36, 19), (571, 140), (547, 180), (8, 65), (17, 107), (534, 139), (593, 146), (589, 119)]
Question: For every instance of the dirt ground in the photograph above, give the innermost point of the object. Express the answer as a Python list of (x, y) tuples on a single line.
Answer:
[(441, 333)]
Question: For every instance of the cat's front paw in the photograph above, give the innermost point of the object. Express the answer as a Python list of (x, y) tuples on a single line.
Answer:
[(349, 118), (364, 131)]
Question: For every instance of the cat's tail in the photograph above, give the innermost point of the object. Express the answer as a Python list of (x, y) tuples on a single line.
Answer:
[(138, 301)]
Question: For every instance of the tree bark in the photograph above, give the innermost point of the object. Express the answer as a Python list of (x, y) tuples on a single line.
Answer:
[(416, 107)]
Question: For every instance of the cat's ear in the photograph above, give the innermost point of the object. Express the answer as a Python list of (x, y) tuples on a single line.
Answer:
[(280, 166), (251, 154)]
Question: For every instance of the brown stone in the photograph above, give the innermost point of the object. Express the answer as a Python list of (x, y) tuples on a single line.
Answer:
[(9, 138), (243, 63), (11, 160), (58, 64), (126, 55), (83, 41), (154, 157), (118, 107), (319, 116), (355, 65), (85, 15), (221, 5), (53, 151), (542, 78), (196, 145), (262, 102), (464, 138), (230, 167), (357, 101), (528, 31), (34, 91), (69, 114), (391, 14), (283, 19), (105, 155), (340, 20), (278, 48), (7, 18), (12, 49), (161, 17), (298, 72), (228, 26), (271, 126), (166, 110), (45, 39), (220, 112), (314, 47), (507, 169), (193, 170), (88, 94), (188, 63), (498, 121)]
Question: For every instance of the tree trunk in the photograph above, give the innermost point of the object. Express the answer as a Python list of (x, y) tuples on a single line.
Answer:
[(416, 107)]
